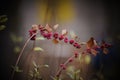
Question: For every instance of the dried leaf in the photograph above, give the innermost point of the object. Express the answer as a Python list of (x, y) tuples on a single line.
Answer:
[(55, 41), (94, 52), (105, 51), (48, 28), (38, 49), (40, 38), (64, 32), (91, 43), (2, 27), (55, 26), (35, 27)]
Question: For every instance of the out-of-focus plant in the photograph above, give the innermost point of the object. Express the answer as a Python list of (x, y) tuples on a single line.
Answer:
[(92, 47), (3, 19), (35, 74), (73, 74), (16, 39)]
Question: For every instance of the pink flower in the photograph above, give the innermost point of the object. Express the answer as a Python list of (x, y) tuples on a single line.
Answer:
[(66, 40), (70, 59), (31, 33), (75, 44), (63, 66), (49, 35), (78, 46), (61, 37), (71, 41), (76, 54), (55, 35), (45, 35)]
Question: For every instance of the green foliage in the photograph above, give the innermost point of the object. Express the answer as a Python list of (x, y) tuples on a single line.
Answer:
[(15, 38), (3, 19), (16, 49), (17, 69), (35, 73), (2, 27), (73, 74)]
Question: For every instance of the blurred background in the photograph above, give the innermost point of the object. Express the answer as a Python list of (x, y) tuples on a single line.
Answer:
[(96, 18)]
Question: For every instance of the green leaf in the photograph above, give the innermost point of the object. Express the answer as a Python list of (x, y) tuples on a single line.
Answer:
[(70, 75), (38, 49), (16, 69), (3, 18), (78, 71), (34, 64), (55, 78), (40, 38), (16, 49), (47, 66), (2, 27), (70, 69), (15, 38)]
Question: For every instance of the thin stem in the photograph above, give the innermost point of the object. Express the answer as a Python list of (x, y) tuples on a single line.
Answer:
[(60, 69), (18, 59)]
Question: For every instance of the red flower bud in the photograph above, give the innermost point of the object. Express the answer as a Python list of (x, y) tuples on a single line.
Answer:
[(66, 40), (55, 35), (76, 54), (71, 41), (61, 37), (70, 59), (31, 33)]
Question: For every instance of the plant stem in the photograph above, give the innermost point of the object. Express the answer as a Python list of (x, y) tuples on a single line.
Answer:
[(18, 59), (60, 69)]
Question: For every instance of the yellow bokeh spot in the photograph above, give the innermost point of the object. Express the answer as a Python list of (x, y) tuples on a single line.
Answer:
[(87, 59)]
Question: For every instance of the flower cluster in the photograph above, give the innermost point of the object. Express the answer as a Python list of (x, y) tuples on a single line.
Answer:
[(47, 32), (50, 35)]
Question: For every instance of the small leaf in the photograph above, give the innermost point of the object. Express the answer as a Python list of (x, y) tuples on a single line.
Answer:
[(2, 27), (34, 64), (78, 71), (48, 28), (38, 49), (56, 26), (16, 49), (64, 32), (40, 38), (47, 66), (55, 41), (16, 69), (3, 18), (70, 75)]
